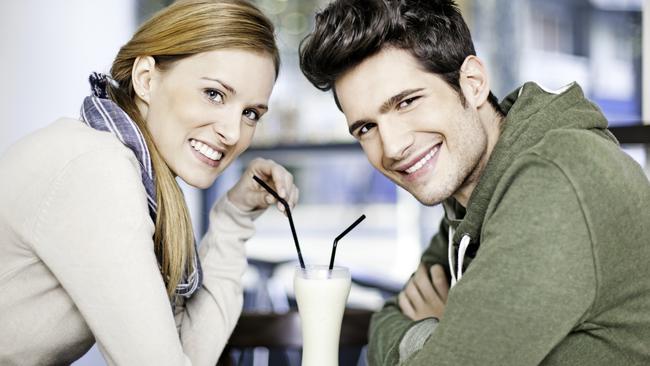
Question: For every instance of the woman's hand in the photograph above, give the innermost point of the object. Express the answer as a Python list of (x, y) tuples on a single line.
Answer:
[(248, 195)]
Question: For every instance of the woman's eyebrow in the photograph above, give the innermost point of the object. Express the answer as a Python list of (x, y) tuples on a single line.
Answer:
[(226, 86)]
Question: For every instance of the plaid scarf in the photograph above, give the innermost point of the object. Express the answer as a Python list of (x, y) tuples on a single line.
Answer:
[(100, 113)]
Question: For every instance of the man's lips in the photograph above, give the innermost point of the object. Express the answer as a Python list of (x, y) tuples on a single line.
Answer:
[(415, 163)]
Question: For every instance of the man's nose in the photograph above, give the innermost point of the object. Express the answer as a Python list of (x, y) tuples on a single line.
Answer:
[(396, 139), (228, 125)]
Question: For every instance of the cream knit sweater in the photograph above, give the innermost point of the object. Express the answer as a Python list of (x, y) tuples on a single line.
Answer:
[(77, 263)]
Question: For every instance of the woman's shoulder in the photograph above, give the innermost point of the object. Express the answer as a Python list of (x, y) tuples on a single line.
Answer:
[(66, 151), (65, 140), (66, 146), (72, 136)]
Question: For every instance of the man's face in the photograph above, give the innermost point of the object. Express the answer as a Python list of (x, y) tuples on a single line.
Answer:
[(412, 126)]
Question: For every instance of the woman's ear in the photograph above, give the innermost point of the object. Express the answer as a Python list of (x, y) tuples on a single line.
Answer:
[(141, 76), (474, 81)]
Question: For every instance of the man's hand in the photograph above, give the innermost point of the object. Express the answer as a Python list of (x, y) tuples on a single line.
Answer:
[(425, 296)]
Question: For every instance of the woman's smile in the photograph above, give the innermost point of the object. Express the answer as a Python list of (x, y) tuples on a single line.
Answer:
[(206, 153)]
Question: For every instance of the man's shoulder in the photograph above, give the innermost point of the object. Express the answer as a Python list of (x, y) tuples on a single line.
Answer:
[(574, 146), (595, 166), (575, 152)]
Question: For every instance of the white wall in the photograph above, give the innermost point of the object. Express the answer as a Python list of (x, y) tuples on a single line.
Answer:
[(48, 49)]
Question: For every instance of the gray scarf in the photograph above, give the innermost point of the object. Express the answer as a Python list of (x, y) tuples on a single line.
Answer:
[(100, 113)]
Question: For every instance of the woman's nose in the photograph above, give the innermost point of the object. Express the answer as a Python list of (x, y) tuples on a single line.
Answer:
[(228, 126)]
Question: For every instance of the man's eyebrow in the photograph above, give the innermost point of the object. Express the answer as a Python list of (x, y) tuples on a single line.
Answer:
[(385, 107), (396, 99), (226, 86)]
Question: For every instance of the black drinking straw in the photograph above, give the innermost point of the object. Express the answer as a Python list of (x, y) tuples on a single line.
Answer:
[(336, 241), (288, 211)]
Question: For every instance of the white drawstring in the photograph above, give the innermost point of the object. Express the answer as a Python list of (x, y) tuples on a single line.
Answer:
[(464, 243)]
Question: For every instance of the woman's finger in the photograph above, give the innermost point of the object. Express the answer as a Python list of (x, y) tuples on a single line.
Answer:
[(295, 194), (282, 179), (269, 199), (291, 197)]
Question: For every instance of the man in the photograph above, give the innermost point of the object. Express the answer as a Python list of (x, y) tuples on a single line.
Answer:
[(547, 229)]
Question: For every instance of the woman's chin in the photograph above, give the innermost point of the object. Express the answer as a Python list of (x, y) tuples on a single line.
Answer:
[(200, 182)]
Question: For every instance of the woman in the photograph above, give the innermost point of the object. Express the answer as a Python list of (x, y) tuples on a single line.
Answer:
[(97, 243)]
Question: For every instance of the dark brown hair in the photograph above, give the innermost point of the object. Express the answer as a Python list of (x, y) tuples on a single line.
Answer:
[(349, 31)]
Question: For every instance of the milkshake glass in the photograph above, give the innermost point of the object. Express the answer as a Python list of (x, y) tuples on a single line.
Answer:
[(321, 295)]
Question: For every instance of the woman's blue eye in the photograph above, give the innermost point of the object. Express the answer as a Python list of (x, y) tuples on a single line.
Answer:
[(251, 114), (214, 95)]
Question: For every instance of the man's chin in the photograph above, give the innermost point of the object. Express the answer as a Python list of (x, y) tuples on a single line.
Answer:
[(425, 198), (430, 197), (428, 201)]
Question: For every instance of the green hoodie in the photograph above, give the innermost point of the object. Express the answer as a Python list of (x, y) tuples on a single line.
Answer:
[(559, 227)]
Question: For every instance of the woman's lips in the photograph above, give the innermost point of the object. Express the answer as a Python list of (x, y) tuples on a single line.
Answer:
[(206, 153)]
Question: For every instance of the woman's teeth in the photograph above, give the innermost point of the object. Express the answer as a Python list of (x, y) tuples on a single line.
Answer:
[(206, 150), (415, 167)]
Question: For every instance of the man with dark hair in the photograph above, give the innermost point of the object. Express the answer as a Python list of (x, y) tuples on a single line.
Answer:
[(545, 240)]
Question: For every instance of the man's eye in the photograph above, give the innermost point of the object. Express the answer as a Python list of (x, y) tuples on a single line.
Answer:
[(251, 114), (214, 95), (407, 102), (365, 129)]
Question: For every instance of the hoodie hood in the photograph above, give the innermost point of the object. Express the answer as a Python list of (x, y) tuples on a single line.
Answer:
[(531, 112)]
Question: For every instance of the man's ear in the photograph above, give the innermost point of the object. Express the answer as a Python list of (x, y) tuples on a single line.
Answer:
[(474, 81), (141, 75)]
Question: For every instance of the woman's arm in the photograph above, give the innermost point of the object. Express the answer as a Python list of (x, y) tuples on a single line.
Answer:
[(209, 316), (94, 233)]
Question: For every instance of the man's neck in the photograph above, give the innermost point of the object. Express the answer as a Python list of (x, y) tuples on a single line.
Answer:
[(492, 122)]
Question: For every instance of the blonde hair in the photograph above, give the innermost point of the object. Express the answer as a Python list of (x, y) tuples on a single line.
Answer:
[(185, 28)]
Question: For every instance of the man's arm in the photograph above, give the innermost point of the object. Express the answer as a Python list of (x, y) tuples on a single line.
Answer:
[(389, 325), (532, 282)]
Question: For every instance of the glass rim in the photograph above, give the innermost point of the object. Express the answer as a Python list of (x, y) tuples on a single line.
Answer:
[(322, 271)]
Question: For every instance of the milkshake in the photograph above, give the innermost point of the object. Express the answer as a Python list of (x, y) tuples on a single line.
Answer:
[(321, 295)]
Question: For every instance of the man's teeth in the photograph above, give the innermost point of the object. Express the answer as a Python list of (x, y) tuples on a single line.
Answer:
[(206, 150), (415, 167)]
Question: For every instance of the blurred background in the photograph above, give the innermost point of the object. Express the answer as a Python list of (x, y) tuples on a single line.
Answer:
[(50, 47)]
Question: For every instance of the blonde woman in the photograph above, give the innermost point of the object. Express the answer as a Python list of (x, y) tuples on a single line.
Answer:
[(96, 241)]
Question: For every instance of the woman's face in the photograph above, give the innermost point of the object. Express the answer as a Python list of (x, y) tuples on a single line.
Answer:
[(202, 110)]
